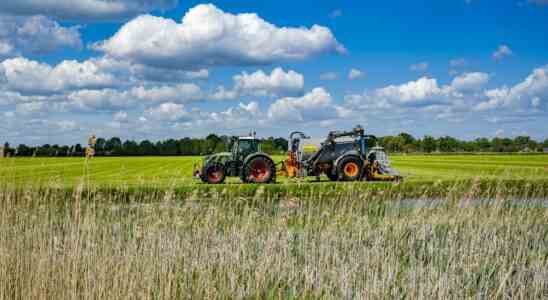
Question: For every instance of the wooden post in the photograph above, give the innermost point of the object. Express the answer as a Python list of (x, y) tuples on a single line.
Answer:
[(1, 152)]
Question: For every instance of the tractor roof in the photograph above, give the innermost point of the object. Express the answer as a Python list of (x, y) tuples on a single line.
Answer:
[(247, 138)]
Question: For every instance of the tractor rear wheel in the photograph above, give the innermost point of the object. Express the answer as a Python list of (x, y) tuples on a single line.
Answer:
[(214, 174), (349, 169), (260, 170)]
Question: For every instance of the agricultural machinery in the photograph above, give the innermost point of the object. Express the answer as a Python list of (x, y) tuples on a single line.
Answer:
[(245, 161), (343, 156), (339, 159)]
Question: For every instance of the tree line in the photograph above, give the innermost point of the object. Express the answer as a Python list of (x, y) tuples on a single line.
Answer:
[(170, 147), (402, 143)]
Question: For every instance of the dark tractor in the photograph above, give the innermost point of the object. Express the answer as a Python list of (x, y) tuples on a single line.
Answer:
[(340, 159), (245, 161)]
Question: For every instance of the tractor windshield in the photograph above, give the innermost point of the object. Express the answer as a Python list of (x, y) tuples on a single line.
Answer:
[(247, 146), (244, 147)]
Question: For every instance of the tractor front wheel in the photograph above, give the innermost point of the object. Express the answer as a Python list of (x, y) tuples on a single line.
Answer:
[(260, 170), (214, 174), (349, 169)]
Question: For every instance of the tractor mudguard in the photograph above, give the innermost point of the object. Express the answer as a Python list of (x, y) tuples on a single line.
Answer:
[(252, 156)]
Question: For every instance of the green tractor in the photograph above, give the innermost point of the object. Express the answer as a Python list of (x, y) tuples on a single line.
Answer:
[(245, 161)]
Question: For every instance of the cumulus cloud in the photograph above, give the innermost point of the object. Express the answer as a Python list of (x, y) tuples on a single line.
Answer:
[(32, 77), (221, 93), (31, 108), (97, 100), (423, 95), (152, 74), (502, 52), (533, 91), (470, 81), (413, 92), (228, 39), (243, 115), (278, 83), (113, 100), (354, 74), (36, 34), (120, 117), (176, 93), (419, 67), (300, 108), (168, 112), (84, 10)]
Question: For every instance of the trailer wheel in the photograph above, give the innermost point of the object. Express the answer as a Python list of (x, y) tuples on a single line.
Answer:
[(332, 176), (260, 170), (214, 174), (349, 169)]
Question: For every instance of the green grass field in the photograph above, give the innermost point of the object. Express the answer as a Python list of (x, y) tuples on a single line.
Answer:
[(166, 171), (471, 226)]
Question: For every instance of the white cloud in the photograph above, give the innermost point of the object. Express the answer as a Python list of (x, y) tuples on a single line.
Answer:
[(223, 94), (152, 74), (176, 93), (243, 115), (209, 37), (412, 92), (6, 48), (329, 76), (98, 100), (120, 117), (297, 108), (113, 100), (200, 74), (419, 67), (502, 52), (31, 108), (36, 34), (354, 74), (532, 91), (27, 76), (278, 83), (423, 95), (470, 81), (83, 9), (168, 112), (64, 125)]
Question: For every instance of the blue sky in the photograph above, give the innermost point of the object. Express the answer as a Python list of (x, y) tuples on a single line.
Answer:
[(156, 69)]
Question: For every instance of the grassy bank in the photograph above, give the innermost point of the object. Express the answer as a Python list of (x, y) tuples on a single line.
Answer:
[(166, 244)]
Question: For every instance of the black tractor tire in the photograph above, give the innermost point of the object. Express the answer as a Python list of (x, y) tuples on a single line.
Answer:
[(260, 169), (214, 173), (349, 169), (332, 176)]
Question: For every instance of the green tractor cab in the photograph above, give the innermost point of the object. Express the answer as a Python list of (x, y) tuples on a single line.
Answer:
[(246, 161)]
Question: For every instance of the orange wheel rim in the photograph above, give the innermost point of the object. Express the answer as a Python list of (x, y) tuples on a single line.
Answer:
[(214, 174), (260, 170), (351, 169)]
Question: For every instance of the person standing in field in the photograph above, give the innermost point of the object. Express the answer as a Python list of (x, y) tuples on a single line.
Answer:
[(90, 150)]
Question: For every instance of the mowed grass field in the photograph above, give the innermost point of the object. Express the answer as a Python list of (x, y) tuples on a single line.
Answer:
[(169, 171), (458, 227)]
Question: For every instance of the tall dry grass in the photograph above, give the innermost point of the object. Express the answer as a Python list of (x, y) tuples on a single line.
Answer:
[(472, 241)]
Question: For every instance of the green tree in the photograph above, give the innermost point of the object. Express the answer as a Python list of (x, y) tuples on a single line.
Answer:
[(428, 144)]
